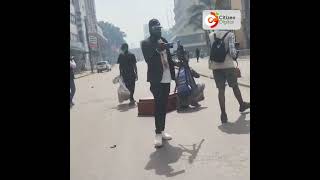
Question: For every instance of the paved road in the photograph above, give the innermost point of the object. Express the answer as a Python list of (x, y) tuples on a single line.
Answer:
[(201, 148)]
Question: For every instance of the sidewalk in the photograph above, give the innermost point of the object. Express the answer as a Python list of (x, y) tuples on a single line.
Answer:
[(82, 74), (203, 70)]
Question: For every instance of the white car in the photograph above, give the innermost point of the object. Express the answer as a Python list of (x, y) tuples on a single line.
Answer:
[(102, 66)]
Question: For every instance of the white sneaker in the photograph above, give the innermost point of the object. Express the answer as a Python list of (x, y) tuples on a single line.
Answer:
[(166, 136), (158, 140)]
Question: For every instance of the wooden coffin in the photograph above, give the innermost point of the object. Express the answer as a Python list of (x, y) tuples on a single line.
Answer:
[(146, 106)]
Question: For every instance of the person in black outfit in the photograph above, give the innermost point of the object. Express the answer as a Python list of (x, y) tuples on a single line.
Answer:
[(72, 85), (197, 54), (128, 69), (160, 74)]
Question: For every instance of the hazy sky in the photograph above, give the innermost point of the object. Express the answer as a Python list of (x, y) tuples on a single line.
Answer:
[(131, 15)]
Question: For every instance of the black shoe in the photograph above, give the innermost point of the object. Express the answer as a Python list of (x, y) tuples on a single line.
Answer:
[(184, 107), (224, 118), (244, 106)]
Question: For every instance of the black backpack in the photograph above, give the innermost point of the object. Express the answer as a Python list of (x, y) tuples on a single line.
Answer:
[(218, 50)]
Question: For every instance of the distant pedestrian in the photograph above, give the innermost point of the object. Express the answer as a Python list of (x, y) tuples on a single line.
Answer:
[(197, 54), (128, 70), (160, 74), (72, 84), (222, 55)]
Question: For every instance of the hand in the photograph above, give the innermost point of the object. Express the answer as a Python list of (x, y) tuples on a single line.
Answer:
[(160, 47)]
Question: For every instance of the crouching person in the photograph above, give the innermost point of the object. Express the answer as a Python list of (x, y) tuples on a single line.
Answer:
[(189, 92)]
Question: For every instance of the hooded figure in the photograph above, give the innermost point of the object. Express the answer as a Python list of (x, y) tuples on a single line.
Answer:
[(160, 74)]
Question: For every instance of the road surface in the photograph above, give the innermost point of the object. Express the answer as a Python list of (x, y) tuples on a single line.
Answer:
[(109, 141)]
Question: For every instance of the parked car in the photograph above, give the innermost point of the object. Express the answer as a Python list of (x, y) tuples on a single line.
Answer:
[(103, 66)]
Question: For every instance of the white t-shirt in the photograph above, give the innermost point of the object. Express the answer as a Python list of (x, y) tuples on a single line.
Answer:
[(166, 76)]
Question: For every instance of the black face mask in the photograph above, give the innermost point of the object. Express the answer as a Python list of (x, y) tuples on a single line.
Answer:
[(155, 32)]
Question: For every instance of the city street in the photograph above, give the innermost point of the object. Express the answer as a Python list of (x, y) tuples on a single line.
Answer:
[(110, 142)]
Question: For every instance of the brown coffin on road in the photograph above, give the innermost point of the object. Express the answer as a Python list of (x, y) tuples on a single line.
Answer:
[(146, 106)]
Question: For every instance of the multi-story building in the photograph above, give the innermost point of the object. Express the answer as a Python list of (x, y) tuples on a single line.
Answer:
[(190, 36), (95, 35), (78, 41), (243, 34)]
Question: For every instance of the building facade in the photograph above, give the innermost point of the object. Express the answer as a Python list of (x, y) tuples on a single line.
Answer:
[(96, 40), (190, 36), (243, 35), (78, 42)]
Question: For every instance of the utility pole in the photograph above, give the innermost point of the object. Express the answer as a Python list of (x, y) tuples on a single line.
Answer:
[(86, 26)]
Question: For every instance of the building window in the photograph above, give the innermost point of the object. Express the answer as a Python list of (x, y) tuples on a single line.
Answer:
[(72, 19), (74, 37)]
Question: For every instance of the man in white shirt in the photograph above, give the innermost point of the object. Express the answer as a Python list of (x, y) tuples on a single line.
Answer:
[(225, 71), (160, 74)]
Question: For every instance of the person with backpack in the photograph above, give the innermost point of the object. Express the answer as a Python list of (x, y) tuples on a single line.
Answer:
[(222, 55)]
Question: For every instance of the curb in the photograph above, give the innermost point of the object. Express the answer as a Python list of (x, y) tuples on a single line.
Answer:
[(84, 75)]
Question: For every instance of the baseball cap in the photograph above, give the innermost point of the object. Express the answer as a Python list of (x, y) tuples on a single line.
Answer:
[(154, 23)]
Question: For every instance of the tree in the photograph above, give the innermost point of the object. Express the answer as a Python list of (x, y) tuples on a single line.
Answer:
[(115, 37), (195, 12)]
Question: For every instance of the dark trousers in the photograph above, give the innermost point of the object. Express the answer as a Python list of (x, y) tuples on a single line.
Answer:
[(130, 84), (197, 58), (73, 89), (160, 93)]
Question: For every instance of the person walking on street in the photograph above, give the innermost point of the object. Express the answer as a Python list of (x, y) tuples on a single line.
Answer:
[(72, 84), (128, 70), (197, 54), (160, 74), (222, 55)]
